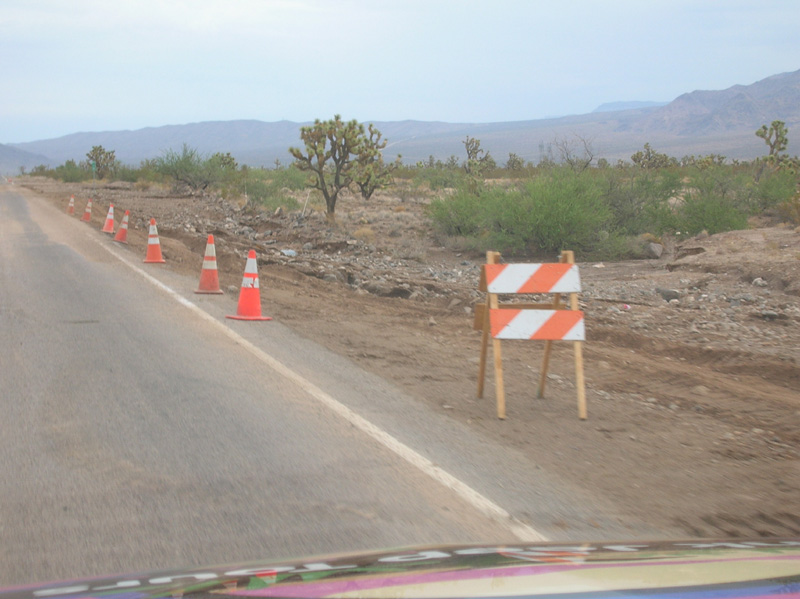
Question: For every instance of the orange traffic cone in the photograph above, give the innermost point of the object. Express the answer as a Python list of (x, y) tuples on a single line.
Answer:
[(109, 226), (209, 278), (122, 234), (153, 245), (250, 296), (87, 214), (71, 205)]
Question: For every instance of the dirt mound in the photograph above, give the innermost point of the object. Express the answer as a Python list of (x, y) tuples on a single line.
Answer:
[(691, 360)]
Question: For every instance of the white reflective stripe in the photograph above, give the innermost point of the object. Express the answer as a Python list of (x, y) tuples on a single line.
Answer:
[(250, 283), (251, 268), (578, 332), (153, 241), (61, 591), (512, 277), (569, 283), (210, 265)]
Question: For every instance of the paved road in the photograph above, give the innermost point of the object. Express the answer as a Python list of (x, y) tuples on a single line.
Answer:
[(138, 434)]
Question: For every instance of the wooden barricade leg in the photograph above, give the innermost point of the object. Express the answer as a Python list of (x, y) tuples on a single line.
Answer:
[(579, 382), (491, 258), (548, 347), (543, 372), (484, 349), (568, 257), (500, 393)]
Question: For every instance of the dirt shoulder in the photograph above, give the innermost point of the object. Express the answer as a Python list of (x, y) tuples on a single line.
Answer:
[(692, 360)]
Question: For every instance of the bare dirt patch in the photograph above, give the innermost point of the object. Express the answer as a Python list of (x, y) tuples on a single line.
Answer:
[(694, 403)]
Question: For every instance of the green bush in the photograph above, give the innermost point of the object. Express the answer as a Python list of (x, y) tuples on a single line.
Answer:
[(266, 188), (461, 215), (70, 172), (148, 171), (127, 173), (438, 178), (601, 212), (639, 199), (560, 210), (790, 210), (774, 189), (564, 211), (289, 178), (716, 198), (188, 167), (709, 212)]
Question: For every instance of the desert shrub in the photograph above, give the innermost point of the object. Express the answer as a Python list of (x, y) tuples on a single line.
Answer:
[(148, 172), (560, 210), (70, 172), (289, 178), (264, 189), (461, 214), (639, 200), (790, 210), (438, 178), (774, 189), (365, 234), (715, 198), (564, 210), (707, 196), (709, 212), (190, 168), (127, 173)]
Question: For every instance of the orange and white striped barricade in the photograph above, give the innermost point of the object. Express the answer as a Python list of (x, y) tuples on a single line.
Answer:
[(555, 321)]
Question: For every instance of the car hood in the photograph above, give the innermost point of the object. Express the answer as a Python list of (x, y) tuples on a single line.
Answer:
[(719, 569)]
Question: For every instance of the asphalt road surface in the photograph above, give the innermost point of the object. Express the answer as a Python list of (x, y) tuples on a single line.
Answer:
[(140, 432)]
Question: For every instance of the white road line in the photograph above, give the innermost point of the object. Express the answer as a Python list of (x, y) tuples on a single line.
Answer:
[(483, 504)]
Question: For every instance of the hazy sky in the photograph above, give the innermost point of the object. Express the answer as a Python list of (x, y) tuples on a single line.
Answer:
[(98, 65)]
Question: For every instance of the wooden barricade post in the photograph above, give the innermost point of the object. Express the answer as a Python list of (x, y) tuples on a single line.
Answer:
[(555, 321)]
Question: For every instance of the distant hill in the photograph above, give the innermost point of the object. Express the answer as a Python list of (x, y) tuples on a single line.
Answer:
[(700, 122), (733, 109), (614, 106), (11, 159)]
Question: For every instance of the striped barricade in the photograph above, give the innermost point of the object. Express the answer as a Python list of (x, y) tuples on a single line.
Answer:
[(547, 322), (545, 325)]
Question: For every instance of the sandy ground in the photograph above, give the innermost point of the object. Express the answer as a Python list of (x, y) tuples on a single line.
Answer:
[(694, 404)]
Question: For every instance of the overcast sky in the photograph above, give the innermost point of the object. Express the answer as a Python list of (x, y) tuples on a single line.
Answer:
[(100, 65)]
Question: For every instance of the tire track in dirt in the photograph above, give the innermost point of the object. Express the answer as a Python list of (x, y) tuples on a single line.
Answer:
[(760, 395)]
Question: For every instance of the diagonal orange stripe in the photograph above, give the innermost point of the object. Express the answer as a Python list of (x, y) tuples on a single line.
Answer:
[(558, 325), (500, 318), (493, 271), (545, 278)]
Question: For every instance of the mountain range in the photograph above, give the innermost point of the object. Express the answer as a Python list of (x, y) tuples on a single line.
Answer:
[(700, 122)]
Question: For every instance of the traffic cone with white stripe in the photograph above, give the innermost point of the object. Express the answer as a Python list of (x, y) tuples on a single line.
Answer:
[(71, 205), (250, 296), (209, 277), (122, 234), (108, 227), (153, 245), (87, 214)]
